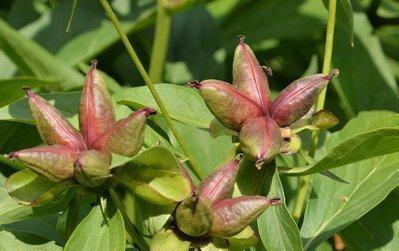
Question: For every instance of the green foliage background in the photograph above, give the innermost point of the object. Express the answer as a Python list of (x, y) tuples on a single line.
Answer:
[(289, 35)]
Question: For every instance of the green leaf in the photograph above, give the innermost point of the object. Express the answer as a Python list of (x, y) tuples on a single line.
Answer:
[(277, 229), (99, 231), (33, 59), (9, 242), (11, 89), (377, 230), (29, 188), (244, 239), (167, 240), (155, 175), (183, 103), (333, 206), (11, 211), (344, 16), (358, 140), (365, 81)]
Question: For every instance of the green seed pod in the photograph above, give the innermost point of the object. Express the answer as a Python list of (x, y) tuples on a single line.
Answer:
[(194, 216), (229, 106), (219, 184), (53, 127), (126, 137), (231, 216), (249, 77), (54, 162), (96, 112), (260, 140), (91, 168)]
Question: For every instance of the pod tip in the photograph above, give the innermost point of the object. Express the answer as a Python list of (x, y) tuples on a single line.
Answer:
[(334, 73), (195, 84), (239, 157), (275, 201), (94, 63), (241, 39), (27, 90), (149, 111)]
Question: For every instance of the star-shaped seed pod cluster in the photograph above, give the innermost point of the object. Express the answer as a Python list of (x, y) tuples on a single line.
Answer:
[(246, 107), (86, 155), (210, 210)]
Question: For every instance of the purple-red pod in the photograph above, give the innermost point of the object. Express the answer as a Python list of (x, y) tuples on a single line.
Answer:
[(54, 162), (297, 98), (260, 140), (229, 106), (96, 112), (249, 77), (126, 136), (219, 184), (53, 127), (231, 216)]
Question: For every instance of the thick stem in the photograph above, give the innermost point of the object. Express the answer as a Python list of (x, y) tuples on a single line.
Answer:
[(305, 182), (130, 227), (161, 41), (196, 168)]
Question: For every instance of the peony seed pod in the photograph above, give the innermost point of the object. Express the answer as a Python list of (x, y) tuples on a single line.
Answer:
[(91, 168), (297, 98), (231, 216), (53, 127), (260, 140), (249, 76), (126, 137), (219, 185), (96, 112), (194, 216), (229, 106), (54, 162)]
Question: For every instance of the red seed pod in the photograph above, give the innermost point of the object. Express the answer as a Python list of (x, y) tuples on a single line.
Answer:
[(297, 98), (231, 216), (53, 127), (229, 106), (126, 137), (260, 140), (249, 77), (54, 162), (96, 112), (219, 185)]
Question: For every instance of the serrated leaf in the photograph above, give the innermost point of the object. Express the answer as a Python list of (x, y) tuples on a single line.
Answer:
[(155, 175), (277, 220), (349, 145), (99, 231), (186, 105)]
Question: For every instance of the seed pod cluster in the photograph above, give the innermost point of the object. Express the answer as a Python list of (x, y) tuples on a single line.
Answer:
[(210, 210), (246, 106), (85, 155)]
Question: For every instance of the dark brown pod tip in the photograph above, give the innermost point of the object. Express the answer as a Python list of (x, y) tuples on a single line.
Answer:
[(94, 63), (27, 90), (149, 111), (333, 73), (241, 39), (194, 84), (275, 201)]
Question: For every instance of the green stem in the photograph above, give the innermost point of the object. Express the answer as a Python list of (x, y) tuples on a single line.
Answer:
[(130, 227), (305, 182), (196, 168), (161, 41)]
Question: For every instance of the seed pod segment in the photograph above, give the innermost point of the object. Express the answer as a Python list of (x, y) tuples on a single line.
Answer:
[(96, 112), (219, 185), (91, 168), (126, 136), (249, 76), (53, 127), (260, 140), (229, 106), (297, 98), (54, 162), (231, 216), (194, 216)]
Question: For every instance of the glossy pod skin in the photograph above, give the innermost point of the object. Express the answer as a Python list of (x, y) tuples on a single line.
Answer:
[(53, 127), (260, 140), (248, 76), (126, 136), (296, 99), (96, 111), (54, 162), (230, 107)]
